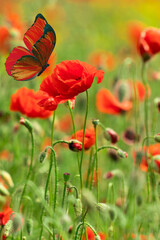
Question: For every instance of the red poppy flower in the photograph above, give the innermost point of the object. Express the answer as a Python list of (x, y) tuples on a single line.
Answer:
[(149, 43), (153, 150), (71, 78), (89, 138), (134, 31), (141, 90), (5, 216), (25, 101), (108, 103), (91, 235), (50, 96)]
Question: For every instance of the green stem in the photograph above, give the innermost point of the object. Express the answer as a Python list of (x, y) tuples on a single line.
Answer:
[(64, 191), (96, 157), (146, 138), (71, 113), (84, 128), (84, 223), (59, 141), (89, 167), (74, 130), (30, 169), (47, 183), (145, 102)]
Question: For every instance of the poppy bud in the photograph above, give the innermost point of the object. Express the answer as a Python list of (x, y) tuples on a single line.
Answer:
[(29, 226), (3, 190), (8, 228), (42, 156), (95, 122), (77, 207), (108, 175), (17, 222), (75, 145), (115, 173), (26, 123), (111, 135), (7, 177), (157, 137), (122, 154), (66, 176)]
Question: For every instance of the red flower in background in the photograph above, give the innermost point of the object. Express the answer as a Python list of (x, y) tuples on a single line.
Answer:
[(153, 150), (102, 60), (73, 77), (149, 43), (25, 101), (108, 103), (5, 216), (141, 90), (134, 31), (89, 138), (4, 39), (91, 235)]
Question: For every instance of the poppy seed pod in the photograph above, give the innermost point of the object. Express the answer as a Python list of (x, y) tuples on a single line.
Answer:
[(66, 176)]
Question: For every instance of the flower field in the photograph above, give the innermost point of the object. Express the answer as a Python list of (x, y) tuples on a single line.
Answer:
[(79, 120)]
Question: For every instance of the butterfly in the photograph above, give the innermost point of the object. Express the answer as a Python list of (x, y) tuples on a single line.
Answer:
[(27, 63)]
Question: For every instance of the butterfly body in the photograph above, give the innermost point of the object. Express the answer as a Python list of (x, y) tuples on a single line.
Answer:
[(26, 63)]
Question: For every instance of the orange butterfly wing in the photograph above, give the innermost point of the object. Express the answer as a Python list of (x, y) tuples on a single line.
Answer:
[(35, 32), (26, 68), (43, 48)]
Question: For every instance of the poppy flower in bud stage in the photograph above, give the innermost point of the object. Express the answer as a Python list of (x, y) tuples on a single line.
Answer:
[(111, 135), (89, 138), (107, 103), (25, 101), (149, 43), (130, 137)]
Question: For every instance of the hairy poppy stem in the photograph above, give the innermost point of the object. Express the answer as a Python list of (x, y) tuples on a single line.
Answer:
[(47, 183), (89, 167), (74, 130), (145, 102), (30, 169), (84, 128), (51, 155), (96, 157)]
